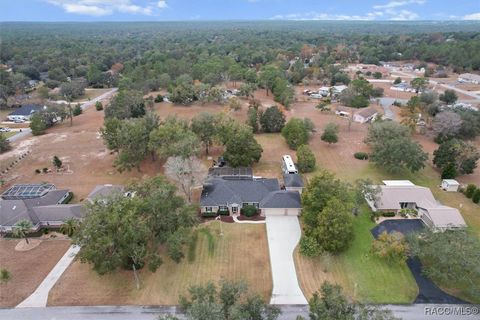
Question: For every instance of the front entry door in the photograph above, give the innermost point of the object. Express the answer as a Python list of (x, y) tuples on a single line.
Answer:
[(234, 210)]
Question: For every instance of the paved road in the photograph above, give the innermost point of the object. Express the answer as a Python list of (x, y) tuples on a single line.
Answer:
[(283, 234), (92, 102), (25, 133), (289, 312), (40, 296)]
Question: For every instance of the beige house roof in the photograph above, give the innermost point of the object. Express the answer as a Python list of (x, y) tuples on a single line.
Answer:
[(367, 112), (390, 197), (444, 217)]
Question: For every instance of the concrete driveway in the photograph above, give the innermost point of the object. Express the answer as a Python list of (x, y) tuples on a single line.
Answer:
[(283, 235)]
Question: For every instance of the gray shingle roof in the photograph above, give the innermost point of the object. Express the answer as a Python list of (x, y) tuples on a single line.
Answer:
[(59, 212), (103, 191), (293, 180), (282, 199), (26, 110), (219, 191)]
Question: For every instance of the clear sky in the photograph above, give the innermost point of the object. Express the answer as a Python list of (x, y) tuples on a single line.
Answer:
[(155, 10)]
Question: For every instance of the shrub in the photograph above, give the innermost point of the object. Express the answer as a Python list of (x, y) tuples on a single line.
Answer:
[(388, 214), (45, 170), (471, 188), (158, 98), (77, 110), (361, 155), (309, 247), (374, 215), (209, 214), (249, 211), (476, 196), (223, 212), (99, 106), (306, 159), (4, 275), (38, 171)]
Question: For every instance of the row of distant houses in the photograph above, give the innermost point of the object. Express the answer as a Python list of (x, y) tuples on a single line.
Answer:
[(24, 113)]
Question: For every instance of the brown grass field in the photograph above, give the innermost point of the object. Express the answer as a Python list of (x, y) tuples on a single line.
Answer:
[(27, 268), (232, 258)]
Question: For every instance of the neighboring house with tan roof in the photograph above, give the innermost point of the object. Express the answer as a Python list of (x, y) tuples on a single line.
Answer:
[(365, 115), (405, 195)]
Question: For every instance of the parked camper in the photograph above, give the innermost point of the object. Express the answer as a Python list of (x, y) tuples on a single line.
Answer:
[(288, 166)]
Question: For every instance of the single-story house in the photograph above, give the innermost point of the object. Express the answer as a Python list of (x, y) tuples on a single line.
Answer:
[(42, 205), (365, 115), (102, 192), (229, 193), (342, 112), (403, 86), (24, 112), (293, 182), (393, 197), (469, 78), (450, 185)]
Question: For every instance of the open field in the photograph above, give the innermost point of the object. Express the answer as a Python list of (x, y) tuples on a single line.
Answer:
[(27, 268), (364, 277), (232, 258)]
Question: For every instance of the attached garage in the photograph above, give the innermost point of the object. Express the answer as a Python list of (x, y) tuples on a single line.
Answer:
[(281, 211), (281, 203)]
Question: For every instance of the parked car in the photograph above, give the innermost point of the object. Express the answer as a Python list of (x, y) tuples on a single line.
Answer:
[(5, 129), (18, 121)]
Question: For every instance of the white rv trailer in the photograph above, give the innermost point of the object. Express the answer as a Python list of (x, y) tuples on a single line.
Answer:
[(288, 166)]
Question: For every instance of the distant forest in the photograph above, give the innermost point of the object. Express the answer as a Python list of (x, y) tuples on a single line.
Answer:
[(151, 55)]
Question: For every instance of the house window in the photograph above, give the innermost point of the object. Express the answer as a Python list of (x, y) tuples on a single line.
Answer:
[(222, 208), (255, 204), (208, 209)]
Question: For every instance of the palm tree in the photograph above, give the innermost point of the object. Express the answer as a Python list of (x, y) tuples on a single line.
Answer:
[(21, 229), (69, 227)]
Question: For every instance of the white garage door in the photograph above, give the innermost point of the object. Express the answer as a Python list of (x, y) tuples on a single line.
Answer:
[(281, 212)]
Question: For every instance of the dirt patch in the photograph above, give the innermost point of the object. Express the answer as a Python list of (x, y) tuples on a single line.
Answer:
[(27, 268), (22, 245)]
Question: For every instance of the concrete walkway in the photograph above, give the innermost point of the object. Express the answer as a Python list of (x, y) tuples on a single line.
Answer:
[(283, 236), (235, 218), (40, 296)]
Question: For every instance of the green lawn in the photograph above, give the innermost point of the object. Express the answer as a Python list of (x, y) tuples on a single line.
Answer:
[(363, 276)]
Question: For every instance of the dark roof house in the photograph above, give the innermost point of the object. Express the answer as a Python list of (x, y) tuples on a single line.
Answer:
[(44, 209), (26, 110)]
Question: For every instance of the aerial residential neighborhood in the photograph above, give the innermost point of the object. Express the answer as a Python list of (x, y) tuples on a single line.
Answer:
[(249, 160)]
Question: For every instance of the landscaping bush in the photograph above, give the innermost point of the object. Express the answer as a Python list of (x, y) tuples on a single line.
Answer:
[(249, 211), (361, 155), (4, 275), (77, 110), (388, 214), (476, 196), (471, 188), (309, 247), (374, 215), (223, 212), (209, 214), (99, 106)]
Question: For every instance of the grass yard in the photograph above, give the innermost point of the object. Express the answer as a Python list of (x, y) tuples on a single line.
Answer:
[(232, 258), (24, 280), (363, 276)]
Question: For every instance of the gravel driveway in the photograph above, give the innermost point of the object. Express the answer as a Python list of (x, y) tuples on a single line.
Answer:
[(283, 235)]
